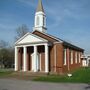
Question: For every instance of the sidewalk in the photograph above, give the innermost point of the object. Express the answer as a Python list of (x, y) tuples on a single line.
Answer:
[(14, 84)]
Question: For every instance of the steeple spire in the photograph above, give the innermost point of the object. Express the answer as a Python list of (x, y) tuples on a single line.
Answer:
[(40, 6), (40, 18)]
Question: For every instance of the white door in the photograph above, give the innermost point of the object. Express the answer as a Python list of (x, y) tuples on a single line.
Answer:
[(37, 62), (84, 63), (32, 67)]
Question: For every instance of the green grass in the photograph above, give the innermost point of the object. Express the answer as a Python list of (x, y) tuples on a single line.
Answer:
[(5, 73), (79, 76)]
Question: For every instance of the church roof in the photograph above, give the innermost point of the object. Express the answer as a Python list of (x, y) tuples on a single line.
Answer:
[(46, 36), (40, 6), (55, 39)]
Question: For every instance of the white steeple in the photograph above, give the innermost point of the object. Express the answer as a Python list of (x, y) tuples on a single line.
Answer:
[(40, 18)]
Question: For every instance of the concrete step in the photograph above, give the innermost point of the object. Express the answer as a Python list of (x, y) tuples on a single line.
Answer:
[(31, 73)]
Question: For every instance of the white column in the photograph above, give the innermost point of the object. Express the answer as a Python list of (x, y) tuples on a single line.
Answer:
[(35, 58), (24, 59), (46, 59), (16, 59)]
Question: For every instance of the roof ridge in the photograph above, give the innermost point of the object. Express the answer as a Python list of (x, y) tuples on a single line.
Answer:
[(51, 36)]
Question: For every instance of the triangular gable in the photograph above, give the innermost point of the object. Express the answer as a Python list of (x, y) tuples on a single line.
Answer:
[(30, 38)]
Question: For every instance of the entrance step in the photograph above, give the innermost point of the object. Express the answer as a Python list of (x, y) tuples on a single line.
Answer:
[(31, 74)]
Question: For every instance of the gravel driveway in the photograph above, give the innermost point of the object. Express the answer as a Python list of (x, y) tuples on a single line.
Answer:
[(13, 84)]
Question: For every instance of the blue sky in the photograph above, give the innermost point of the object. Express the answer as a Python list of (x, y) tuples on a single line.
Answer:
[(66, 19)]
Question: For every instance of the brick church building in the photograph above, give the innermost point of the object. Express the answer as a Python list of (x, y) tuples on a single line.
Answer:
[(40, 52)]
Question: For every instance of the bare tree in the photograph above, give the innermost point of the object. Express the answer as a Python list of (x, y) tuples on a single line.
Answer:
[(3, 44), (20, 31)]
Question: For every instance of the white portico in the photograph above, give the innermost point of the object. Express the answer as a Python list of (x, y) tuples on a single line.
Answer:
[(32, 51), (24, 55)]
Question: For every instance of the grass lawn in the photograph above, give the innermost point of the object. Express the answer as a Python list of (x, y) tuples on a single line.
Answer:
[(5, 73), (79, 76)]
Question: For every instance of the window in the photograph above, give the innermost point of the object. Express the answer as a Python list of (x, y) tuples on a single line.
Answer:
[(43, 22), (37, 23), (76, 57), (79, 57), (65, 56), (71, 57)]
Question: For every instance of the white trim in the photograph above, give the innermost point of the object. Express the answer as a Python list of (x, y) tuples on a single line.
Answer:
[(16, 59), (76, 57), (65, 57), (37, 44), (71, 54), (44, 40), (40, 13)]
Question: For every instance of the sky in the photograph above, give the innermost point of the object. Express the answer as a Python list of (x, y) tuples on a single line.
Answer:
[(66, 19)]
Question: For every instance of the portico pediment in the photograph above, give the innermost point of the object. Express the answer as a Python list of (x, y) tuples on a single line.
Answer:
[(30, 38)]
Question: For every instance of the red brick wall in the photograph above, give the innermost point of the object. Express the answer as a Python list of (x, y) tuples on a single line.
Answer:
[(74, 65), (51, 58), (58, 57), (57, 49), (65, 67), (29, 61), (42, 61)]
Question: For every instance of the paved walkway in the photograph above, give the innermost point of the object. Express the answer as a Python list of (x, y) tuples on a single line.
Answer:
[(13, 84)]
